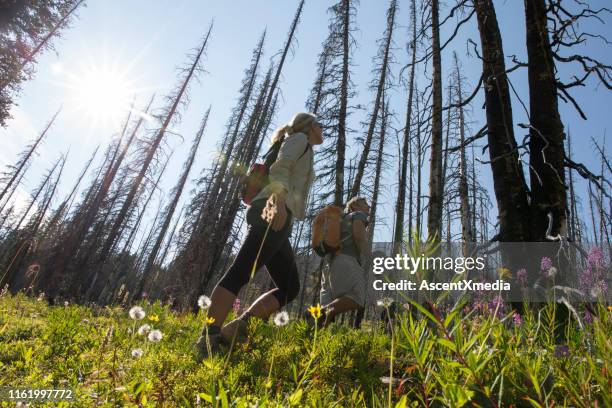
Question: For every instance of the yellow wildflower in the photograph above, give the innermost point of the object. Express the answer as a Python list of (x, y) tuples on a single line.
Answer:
[(154, 318), (504, 273), (315, 311), (210, 320), (609, 308)]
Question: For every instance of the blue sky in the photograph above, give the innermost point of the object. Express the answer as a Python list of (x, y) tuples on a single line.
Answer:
[(146, 40)]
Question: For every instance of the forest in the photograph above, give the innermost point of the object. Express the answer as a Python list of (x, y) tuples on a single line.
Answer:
[(441, 155)]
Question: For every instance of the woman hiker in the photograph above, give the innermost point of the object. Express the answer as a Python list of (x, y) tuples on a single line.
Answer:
[(276, 206), (343, 284)]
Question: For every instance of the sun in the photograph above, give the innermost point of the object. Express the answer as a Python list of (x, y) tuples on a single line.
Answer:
[(102, 94)]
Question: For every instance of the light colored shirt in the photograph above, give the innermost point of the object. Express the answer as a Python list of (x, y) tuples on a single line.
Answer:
[(292, 172)]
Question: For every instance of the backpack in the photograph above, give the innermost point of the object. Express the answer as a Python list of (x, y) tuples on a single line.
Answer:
[(327, 230), (258, 175)]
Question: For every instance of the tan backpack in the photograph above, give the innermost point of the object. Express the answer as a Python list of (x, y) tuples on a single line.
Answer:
[(327, 230)]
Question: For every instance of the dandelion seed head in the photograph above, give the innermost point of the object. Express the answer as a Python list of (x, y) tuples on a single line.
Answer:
[(384, 302), (281, 319), (137, 353), (155, 336), (144, 329), (137, 313), (204, 302)]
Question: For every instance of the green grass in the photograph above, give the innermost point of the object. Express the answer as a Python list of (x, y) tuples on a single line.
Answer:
[(442, 360)]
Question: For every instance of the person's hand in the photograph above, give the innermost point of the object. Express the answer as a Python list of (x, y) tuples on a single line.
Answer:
[(275, 212)]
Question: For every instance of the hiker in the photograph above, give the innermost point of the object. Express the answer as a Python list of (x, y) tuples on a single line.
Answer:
[(269, 217), (343, 283)]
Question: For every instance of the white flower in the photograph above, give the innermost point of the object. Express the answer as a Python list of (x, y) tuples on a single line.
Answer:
[(384, 302), (137, 353), (155, 336), (204, 302), (137, 313), (551, 272), (387, 380), (66, 303), (281, 319), (144, 329)]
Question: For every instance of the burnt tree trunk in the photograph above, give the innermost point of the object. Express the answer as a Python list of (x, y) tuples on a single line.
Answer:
[(546, 136)]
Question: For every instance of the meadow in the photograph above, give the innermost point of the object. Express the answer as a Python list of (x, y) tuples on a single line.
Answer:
[(458, 357)]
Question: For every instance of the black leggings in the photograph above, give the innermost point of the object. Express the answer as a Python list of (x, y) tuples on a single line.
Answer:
[(276, 254)]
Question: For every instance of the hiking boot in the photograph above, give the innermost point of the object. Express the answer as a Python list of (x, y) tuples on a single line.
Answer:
[(214, 341), (236, 330)]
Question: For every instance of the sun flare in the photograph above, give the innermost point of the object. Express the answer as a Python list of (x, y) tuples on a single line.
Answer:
[(103, 95)]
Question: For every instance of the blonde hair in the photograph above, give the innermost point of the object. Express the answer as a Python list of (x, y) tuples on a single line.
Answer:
[(301, 122), (349, 205)]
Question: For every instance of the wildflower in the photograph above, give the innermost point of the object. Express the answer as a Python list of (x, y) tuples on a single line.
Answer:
[(588, 317), (41, 296), (599, 289), (595, 257), (236, 305), (521, 275), (144, 329), (137, 353), (154, 318), (66, 303), (384, 302), (204, 302), (137, 313), (496, 305), (545, 264), (516, 318), (210, 320), (504, 273), (315, 311), (155, 336), (281, 319), (4, 290), (406, 306), (387, 380), (562, 350), (609, 308)]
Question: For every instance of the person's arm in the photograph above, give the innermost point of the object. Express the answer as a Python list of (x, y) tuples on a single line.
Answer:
[(360, 237)]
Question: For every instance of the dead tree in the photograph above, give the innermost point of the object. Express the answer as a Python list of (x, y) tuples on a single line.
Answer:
[(15, 171), (434, 213), (546, 136), (168, 212), (509, 181), (406, 156), (169, 115), (383, 70), (467, 233)]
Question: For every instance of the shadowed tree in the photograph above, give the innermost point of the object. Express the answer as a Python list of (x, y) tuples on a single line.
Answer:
[(508, 178), (26, 29)]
